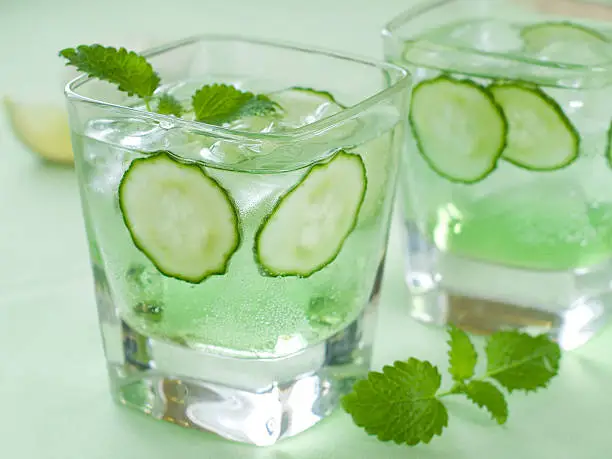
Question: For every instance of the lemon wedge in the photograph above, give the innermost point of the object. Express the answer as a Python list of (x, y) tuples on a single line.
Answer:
[(43, 128)]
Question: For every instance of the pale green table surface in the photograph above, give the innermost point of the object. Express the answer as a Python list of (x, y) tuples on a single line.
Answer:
[(53, 387)]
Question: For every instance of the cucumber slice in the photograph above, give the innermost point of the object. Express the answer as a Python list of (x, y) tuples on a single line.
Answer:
[(459, 129), (179, 217), (301, 106), (540, 136), (538, 36), (43, 129), (308, 226), (317, 93)]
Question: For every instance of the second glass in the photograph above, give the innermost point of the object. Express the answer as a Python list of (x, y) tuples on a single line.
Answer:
[(238, 267), (506, 189)]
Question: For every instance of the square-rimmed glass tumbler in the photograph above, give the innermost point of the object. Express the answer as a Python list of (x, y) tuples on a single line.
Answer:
[(505, 185), (254, 352)]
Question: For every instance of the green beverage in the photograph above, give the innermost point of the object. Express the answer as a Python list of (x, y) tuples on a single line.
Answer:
[(238, 222), (247, 305), (505, 190)]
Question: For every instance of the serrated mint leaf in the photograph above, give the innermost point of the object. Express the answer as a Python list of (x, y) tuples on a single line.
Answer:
[(399, 404), (259, 105), (169, 105), (221, 103), (461, 355), (130, 71), (487, 396), (519, 361)]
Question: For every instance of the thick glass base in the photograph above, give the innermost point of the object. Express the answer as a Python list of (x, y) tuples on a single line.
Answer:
[(482, 297), (247, 400)]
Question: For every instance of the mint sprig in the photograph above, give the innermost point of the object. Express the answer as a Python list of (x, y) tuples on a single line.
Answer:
[(128, 70), (213, 104), (221, 103), (404, 402), (169, 105)]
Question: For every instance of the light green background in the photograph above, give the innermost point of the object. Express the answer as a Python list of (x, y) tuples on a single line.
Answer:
[(53, 389)]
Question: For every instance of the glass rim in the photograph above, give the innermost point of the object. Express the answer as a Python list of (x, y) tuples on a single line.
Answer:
[(306, 131), (391, 28)]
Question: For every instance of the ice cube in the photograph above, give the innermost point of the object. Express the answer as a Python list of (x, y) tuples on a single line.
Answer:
[(576, 52), (226, 152), (111, 144), (487, 35), (131, 133), (255, 194), (107, 164), (255, 124)]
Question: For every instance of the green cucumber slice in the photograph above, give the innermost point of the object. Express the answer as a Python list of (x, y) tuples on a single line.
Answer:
[(308, 226), (459, 129), (317, 93), (540, 136), (301, 106), (179, 217), (538, 36)]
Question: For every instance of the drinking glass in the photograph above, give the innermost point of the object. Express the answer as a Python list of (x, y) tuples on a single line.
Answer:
[(505, 184), (237, 273)]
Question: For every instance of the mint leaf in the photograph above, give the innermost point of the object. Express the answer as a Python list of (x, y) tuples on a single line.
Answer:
[(486, 395), (130, 71), (169, 105), (259, 105), (221, 103), (461, 355), (399, 404), (519, 361), (403, 403)]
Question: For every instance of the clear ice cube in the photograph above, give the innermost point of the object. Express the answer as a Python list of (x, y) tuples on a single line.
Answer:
[(106, 165), (255, 192), (110, 145), (132, 133), (487, 35), (576, 52)]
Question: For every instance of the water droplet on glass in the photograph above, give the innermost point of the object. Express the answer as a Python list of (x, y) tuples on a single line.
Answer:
[(165, 124)]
